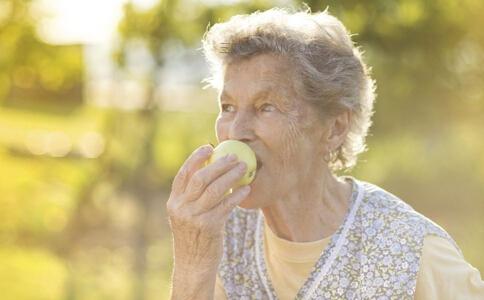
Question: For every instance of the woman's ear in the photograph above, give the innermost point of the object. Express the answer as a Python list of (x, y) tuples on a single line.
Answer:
[(338, 129)]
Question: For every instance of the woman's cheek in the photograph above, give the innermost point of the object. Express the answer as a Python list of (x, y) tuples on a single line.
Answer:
[(290, 139)]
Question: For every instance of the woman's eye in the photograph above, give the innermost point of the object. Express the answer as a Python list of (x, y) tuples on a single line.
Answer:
[(227, 107), (267, 107)]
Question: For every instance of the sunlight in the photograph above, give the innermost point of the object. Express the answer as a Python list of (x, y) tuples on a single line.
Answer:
[(84, 22)]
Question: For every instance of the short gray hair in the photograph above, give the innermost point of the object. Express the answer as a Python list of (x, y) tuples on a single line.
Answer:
[(330, 70)]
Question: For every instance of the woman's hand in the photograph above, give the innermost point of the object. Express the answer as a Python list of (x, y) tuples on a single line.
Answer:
[(198, 209)]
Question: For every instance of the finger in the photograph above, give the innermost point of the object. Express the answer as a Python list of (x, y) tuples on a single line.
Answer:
[(206, 175), (194, 162), (225, 207), (215, 191)]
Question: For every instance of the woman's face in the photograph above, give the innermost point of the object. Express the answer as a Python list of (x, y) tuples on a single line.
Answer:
[(259, 107)]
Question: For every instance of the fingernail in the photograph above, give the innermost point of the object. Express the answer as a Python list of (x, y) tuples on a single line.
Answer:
[(245, 190), (231, 157), (207, 150), (242, 166)]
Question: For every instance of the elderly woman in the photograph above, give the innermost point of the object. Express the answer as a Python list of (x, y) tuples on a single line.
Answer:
[(294, 88)]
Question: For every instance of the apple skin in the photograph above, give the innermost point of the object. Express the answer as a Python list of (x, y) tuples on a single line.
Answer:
[(244, 153)]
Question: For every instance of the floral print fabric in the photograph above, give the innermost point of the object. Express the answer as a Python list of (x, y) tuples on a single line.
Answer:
[(374, 254)]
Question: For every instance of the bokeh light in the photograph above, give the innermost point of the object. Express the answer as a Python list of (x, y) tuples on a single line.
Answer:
[(102, 101)]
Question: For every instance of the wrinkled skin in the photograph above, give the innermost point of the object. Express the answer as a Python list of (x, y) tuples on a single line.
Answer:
[(299, 196), (197, 211), (281, 129)]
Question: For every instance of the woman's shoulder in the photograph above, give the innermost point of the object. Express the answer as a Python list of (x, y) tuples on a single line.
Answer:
[(384, 208), (380, 199), (376, 200)]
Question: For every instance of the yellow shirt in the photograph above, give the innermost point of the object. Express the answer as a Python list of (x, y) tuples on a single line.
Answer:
[(443, 273)]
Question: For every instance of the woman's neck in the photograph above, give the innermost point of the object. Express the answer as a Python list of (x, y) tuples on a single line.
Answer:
[(310, 213)]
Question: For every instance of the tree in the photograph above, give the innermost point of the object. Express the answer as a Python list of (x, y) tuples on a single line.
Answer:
[(34, 74), (425, 56)]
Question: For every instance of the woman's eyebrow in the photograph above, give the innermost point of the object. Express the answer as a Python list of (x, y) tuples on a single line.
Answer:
[(224, 95), (257, 96)]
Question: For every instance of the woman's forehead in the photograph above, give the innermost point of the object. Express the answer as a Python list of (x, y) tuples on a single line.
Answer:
[(256, 81)]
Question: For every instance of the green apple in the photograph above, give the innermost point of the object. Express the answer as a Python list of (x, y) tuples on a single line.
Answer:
[(244, 153)]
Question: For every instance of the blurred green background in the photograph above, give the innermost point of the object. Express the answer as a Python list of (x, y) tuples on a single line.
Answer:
[(101, 102)]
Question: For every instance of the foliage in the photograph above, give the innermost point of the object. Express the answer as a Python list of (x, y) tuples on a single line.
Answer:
[(73, 227), (31, 68)]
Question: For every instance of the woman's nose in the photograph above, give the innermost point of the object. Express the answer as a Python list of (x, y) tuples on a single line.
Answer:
[(242, 127)]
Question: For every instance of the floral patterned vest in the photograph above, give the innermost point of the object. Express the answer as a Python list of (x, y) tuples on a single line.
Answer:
[(374, 254)]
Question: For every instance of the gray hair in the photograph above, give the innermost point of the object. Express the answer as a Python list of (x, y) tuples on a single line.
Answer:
[(329, 69)]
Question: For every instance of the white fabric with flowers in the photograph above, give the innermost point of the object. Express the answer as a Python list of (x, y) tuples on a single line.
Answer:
[(375, 253)]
